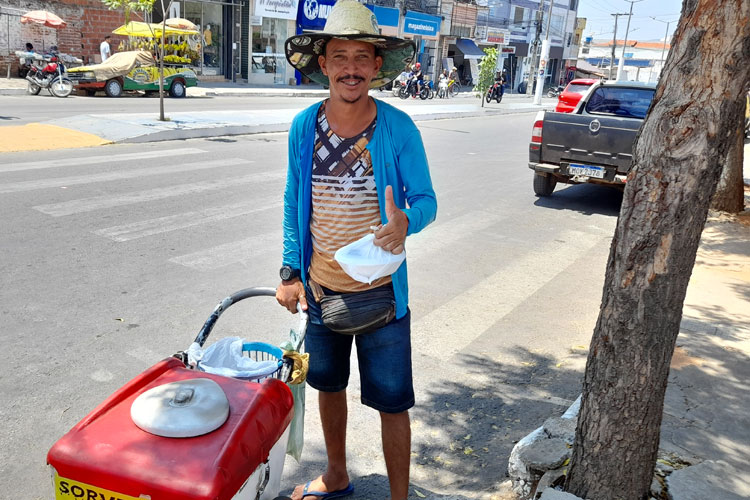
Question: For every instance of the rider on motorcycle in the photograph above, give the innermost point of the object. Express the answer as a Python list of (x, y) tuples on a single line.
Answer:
[(419, 77), (500, 81)]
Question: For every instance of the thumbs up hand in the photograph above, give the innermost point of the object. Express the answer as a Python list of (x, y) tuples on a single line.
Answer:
[(392, 236)]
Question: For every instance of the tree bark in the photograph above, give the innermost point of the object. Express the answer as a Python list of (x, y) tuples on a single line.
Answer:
[(730, 192), (677, 161)]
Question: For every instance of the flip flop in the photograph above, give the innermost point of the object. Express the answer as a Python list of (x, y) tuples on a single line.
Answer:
[(325, 495)]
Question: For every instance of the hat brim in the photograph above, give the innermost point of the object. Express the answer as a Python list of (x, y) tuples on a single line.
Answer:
[(302, 52)]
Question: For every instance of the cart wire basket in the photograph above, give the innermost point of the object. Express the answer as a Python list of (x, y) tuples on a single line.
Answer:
[(257, 351)]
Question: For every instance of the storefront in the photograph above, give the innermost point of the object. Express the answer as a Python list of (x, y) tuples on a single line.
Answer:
[(387, 19), (215, 20), (466, 56), (272, 22), (311, 18), (424, 29)]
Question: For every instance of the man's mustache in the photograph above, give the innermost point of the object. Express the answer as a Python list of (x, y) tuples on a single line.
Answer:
[(350, 77)]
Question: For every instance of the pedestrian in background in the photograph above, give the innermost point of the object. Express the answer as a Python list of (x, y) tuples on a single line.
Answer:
[(104, 49), (354, 162)]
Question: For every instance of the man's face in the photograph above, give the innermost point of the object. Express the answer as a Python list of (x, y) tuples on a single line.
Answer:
[(350, 67)]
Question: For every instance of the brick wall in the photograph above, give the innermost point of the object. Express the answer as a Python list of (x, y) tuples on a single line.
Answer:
[(87, 23)]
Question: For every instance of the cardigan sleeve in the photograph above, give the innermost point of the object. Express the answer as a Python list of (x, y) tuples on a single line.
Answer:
[(291, 253), (415, 174)]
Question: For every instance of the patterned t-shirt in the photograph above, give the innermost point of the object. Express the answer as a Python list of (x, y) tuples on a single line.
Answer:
[(344, 202)]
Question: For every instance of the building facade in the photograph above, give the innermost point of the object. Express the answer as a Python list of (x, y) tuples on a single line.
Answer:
[(88, 21), (243, 40), (644, 60)]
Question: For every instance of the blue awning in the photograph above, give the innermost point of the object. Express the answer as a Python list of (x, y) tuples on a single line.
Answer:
[(469, 48)]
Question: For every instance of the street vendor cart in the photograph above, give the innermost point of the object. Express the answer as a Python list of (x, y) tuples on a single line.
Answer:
[(135, 68)]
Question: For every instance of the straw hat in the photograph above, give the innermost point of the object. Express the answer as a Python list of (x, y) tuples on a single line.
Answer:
[(349, 20)]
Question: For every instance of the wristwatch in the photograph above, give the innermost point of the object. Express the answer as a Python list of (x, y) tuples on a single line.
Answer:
[(288, 273)]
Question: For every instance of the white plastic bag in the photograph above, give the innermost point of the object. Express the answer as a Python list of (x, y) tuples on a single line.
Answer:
[(365, 262), (225, 358)]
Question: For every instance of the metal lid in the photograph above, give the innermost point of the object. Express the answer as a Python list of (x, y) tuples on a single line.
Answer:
[(186, 408)]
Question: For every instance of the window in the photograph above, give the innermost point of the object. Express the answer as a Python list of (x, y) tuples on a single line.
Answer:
[(622, 102), (268, 48), (556, 26), (578, 88), (518, 16), (573, 4)]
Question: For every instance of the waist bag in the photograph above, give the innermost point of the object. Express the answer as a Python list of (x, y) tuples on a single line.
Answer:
[(358, 312)]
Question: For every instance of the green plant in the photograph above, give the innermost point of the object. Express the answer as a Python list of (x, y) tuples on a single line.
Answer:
[(486, 72)]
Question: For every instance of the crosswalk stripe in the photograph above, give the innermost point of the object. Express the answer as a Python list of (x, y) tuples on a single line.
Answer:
[(458, 322), (150, 227), (447, 233), (110, 201), (92, 160), (15, 187), (230, 253)]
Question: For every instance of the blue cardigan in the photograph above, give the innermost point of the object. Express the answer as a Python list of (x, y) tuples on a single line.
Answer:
[(398, 159)]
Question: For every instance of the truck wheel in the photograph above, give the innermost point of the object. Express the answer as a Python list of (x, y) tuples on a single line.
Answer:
[(177, 89), (113, 88), (544, 184)]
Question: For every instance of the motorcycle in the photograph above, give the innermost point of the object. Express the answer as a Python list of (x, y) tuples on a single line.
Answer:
[(555, 91), (442, 91), (398, 83), (50, 77), (495, 92), (410, 89)]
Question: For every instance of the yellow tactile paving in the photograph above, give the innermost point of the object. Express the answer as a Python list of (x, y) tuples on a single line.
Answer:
[(42, 137)]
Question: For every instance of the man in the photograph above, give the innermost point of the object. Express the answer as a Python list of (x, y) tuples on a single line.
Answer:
[(419, 77), (354, 162), (104, 49)]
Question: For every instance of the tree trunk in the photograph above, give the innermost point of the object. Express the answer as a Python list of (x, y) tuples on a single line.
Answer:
[(677, 162), (730, 195)]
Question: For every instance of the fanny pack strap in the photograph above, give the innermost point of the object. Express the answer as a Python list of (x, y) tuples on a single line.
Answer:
[(316, 289)]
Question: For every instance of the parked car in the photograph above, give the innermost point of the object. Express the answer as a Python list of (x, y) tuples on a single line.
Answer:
[(568, 99), (132, 70), (594, 143)]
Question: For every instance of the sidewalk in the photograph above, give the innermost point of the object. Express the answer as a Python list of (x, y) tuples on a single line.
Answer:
[(705, 430), (145, 127)]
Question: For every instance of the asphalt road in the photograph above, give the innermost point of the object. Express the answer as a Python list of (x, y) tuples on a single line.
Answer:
[(113, 257)]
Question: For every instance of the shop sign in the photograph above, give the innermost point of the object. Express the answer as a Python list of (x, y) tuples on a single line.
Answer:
[(312, 14), (279, 9), (386, 16), (498, 36), (509, 49), (416, 23)]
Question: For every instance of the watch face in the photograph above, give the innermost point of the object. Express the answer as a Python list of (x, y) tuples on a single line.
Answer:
[(286, 273)]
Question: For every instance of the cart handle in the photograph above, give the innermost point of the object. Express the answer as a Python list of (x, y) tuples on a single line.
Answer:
[(224, 305), (242, 295)]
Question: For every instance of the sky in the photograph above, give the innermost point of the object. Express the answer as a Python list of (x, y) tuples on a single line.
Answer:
[(600, 23)]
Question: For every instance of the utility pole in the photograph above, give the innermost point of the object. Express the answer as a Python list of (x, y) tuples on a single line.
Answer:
[(532, 68), (664, 47), (621, 66), (543, 59), (614, 45)]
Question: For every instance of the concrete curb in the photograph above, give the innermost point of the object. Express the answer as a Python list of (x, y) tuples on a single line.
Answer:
[(141, 128)]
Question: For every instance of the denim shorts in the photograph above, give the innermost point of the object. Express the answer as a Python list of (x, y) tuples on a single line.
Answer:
[(384, 361)]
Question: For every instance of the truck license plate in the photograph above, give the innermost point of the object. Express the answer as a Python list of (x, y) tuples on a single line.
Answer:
[(586, 170)]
